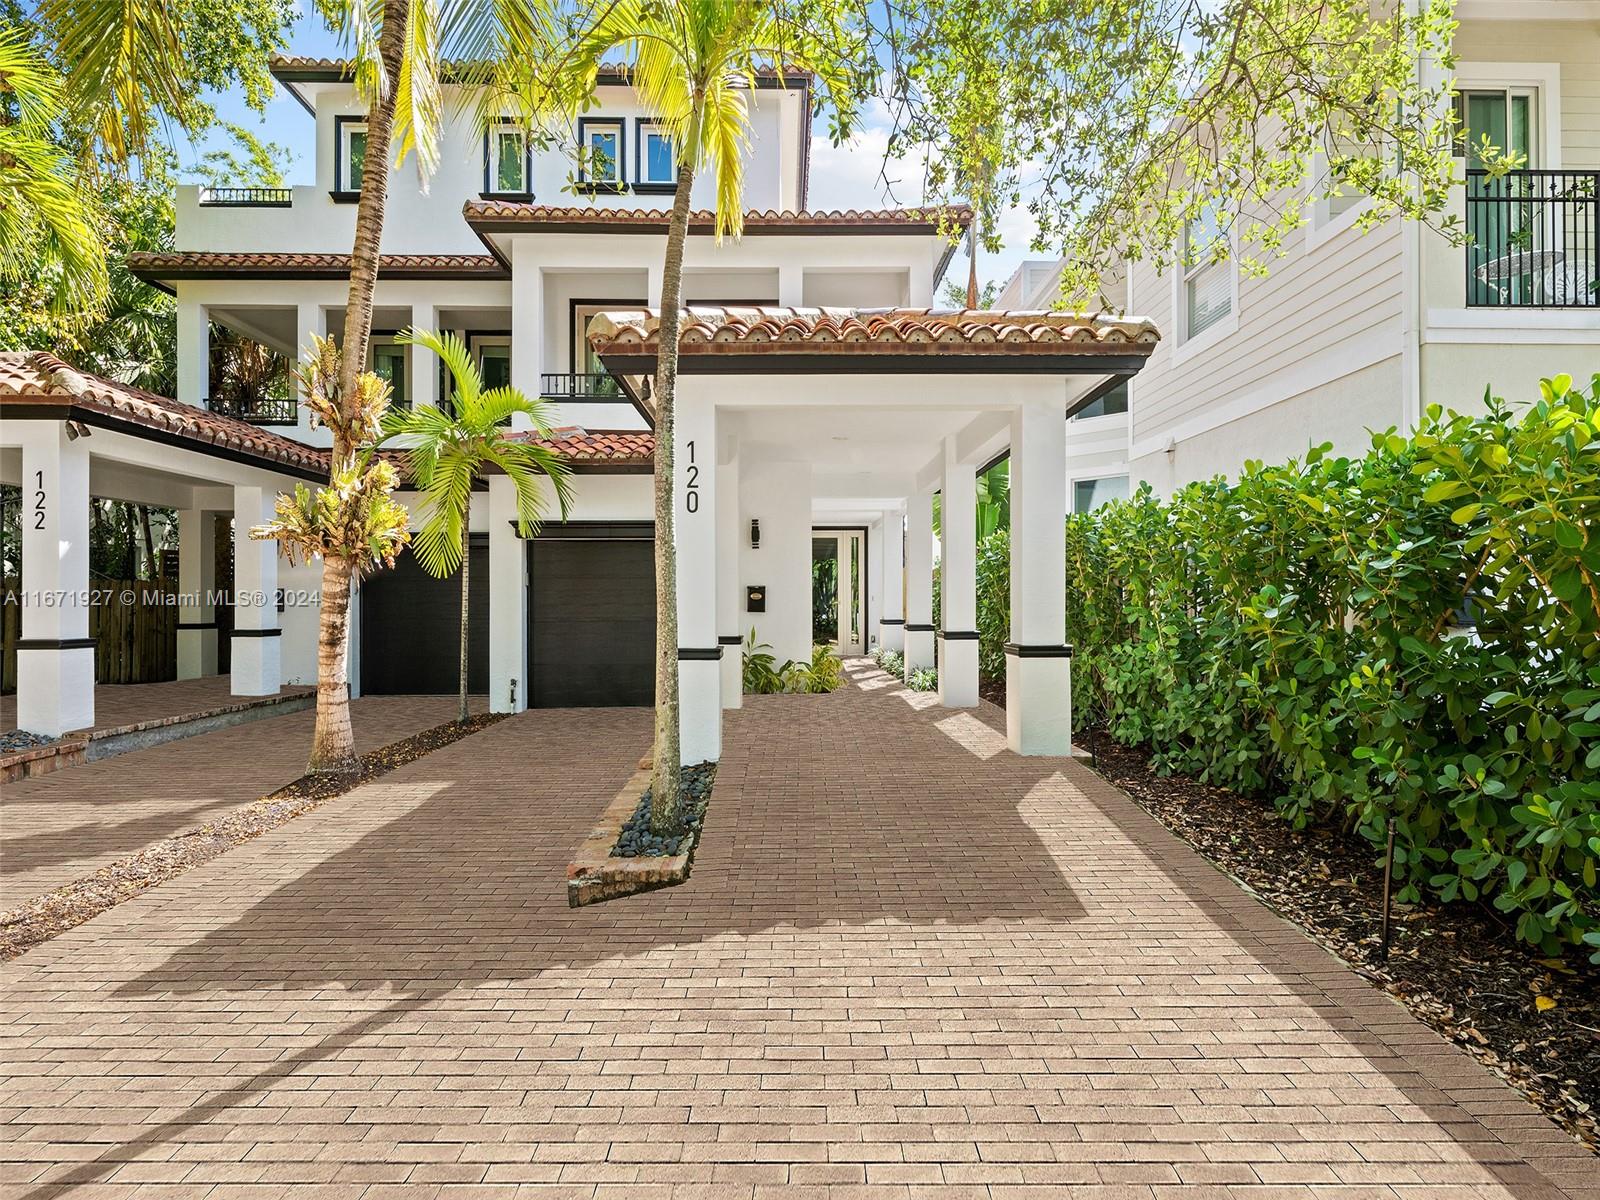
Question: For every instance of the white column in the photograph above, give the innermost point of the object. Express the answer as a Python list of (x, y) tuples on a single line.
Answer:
[(424, 362), (308, 320), (55, 655), (197, 581), (919, 582), (509, 685), (194, 353), (1038, 661), (791, 285), (256, 652), (891, 622), (730, 595), (958, 582), (694, 513), (527, 335)]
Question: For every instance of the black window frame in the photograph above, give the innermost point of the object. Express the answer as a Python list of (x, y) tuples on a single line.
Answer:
[(343, 192), (620, 183), (641, 185), (489, 190)]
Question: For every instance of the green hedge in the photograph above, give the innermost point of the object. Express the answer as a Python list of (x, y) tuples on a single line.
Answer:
[(1298, 634)]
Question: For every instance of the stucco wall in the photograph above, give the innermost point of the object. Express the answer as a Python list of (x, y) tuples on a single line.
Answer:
[(778, 494)]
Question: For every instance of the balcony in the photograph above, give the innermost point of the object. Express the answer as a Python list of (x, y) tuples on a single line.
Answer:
[(246, 197), (1533, 238), (592, 387), (250, 381), (257, 410)]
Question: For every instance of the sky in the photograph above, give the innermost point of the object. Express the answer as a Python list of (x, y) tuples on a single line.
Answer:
[(849, 176)]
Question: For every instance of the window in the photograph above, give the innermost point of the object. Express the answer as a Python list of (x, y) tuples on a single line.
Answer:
[(389, 362), (352, 142), (657, 166), (507, 161), (1207, 283), (493, 352), (1090, 494), (1114, 401), (1507, 116), (601, 144)]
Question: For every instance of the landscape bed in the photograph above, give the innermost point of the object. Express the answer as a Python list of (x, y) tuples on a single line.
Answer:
[(621, 857)]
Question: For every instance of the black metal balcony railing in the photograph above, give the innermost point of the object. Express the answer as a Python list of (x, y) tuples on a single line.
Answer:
[(258, 410), (246, 197), (592, 387), (1533, 239)]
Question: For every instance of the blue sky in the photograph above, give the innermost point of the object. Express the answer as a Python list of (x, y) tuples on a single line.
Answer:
[(844, 177)]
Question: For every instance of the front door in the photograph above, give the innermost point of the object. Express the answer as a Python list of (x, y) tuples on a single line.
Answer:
[(839, 589)]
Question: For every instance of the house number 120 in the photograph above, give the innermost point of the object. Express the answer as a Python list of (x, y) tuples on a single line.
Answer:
[(691, 484)]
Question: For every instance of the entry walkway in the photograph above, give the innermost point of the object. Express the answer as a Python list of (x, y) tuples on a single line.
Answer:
[(120, 704), (68, 824), (909, 964)]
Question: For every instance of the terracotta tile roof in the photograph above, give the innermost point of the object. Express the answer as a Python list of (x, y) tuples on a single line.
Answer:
[(616, 447), (199, 264), (498, 214), (735, 330), (36, 379), (300, 68)]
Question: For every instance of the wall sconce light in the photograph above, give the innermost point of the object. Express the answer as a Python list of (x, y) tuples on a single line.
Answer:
[(755, 534)]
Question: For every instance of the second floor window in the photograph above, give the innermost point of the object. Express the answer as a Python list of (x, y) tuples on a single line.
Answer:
[(658, 160), (352, 155), (506, 171), (602, 151), (1207, 283), (389, 362)]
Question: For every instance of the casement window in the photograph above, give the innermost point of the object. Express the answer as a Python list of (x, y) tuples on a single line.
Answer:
[(657, 164), (351, 150), (1206, 285), (507, 164), (1090, 494), (1508, 116), (601, 143), (1113, 402), (389, 361)]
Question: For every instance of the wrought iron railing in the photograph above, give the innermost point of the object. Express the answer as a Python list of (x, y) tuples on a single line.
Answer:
[(246, 197), (1533, 239), (592, 387), (258, 410)]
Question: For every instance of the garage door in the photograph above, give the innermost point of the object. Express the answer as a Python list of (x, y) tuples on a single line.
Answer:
[(411, 629), (593, 622)]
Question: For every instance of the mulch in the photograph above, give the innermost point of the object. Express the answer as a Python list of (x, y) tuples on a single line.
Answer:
[(52, 913), (1458, 967)]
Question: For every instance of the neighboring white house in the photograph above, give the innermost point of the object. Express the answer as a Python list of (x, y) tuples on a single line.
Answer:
[(821, 405), (1361, 331)]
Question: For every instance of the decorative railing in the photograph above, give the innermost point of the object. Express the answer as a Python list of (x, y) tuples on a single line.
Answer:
[(594, 387), (1533, 239), (246, 197), (258, 410)]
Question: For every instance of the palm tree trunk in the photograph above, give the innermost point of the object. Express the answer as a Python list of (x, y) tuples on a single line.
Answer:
[(666, 778), (466, 562), (333, 743), (149, 541)]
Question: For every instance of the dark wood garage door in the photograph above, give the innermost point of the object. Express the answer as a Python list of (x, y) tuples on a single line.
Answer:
[(593, 623), (411, 629)]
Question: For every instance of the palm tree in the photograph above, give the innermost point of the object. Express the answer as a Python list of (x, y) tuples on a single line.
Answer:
[(447, 448), (694, 64), (41, 204)]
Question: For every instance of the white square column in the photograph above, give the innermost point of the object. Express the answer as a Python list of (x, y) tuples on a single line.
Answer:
[(509, 685), (919, 583), (730, 601), (425, 367), (197, 583), (892, 624), (256, 652), (527, 329), (1038, 660), (958, 582), (55, 654), (694, 518), (308, 321), (194, 354)]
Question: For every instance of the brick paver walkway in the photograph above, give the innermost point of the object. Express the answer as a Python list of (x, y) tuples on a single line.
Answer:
[(908, 964), (118, 704), (68, 824)]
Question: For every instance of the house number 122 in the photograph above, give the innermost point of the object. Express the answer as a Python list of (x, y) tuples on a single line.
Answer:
[(691, 484), (38, 501)]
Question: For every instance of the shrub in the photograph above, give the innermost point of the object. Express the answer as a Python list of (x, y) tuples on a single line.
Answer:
[(924, 679), (824, 673), (891, 661), (762, 675), (1414, 633)]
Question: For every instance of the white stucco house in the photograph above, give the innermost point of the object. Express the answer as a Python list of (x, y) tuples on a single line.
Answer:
[(821, 405), (1356, 331)]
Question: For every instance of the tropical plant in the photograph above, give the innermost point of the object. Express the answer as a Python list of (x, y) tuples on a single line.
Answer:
[(891, 661), (761, 673), (354, 525), (824, 673), (694, 64), (447, 448), (924, 679)]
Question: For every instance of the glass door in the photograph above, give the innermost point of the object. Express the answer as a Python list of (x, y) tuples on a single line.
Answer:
[(1503, 219), (838, 589)]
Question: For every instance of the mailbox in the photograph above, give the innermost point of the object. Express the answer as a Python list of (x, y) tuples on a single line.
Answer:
[(755, 598)]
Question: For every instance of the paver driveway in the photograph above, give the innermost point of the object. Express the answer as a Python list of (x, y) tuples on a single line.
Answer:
[(908, 964)]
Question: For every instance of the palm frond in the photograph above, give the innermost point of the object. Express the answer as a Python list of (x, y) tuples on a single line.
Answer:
[(467, 382), (418, 100), (447, 503)]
